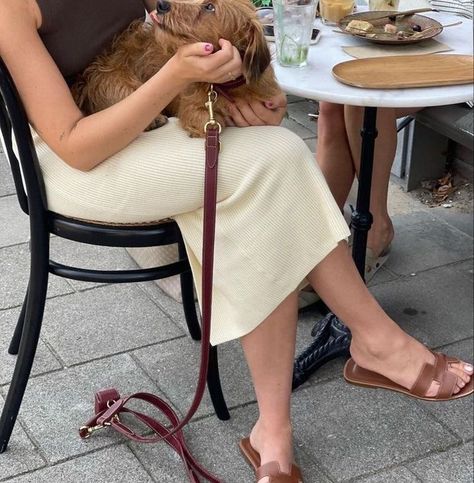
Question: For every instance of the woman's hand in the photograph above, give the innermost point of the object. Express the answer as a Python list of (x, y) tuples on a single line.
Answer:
[(256, 113), (199, 63)]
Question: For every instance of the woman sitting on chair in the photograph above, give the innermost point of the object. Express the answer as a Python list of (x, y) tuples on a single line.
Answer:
[(103, 167)]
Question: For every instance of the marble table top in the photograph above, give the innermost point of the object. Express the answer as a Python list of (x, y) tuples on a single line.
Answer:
[(315, 81)]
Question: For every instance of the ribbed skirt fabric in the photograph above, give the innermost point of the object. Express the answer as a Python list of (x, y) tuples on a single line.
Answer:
[(276, 218)]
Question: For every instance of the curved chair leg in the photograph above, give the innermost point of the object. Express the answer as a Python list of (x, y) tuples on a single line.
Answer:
[(215, 388), (187, 294), (15, 341), (29, 340)]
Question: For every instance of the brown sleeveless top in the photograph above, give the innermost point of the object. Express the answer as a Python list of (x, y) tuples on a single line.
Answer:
[(76, 31)]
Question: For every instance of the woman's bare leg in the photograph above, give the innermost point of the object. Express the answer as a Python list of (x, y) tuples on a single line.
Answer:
[(378, 343), (333, 152), (270, 351), (381, 233)]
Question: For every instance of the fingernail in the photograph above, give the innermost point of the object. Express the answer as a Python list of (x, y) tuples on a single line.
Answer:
[(269, 104), (468, 367), (208, 47)]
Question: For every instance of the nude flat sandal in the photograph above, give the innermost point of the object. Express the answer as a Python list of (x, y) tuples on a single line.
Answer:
[(271, 469), (438, 372)]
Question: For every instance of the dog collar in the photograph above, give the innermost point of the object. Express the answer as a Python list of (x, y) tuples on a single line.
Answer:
[(223, 89)]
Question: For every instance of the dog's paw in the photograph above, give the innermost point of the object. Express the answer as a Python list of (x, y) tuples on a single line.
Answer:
[(160, 121)]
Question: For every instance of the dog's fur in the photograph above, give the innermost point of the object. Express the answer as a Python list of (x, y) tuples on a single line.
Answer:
[(139, 52)]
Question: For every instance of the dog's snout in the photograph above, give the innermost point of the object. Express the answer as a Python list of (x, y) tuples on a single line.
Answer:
[(163, 6)]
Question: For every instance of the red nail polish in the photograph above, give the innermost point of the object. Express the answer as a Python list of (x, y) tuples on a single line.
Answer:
[(208, 47)]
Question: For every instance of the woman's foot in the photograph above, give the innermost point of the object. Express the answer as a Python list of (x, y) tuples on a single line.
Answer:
[(273, 443), (380, 235), (400, 358)]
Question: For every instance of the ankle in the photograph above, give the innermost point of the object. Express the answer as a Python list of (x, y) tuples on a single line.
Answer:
[(378, 346), (381, 234), (270, 432)]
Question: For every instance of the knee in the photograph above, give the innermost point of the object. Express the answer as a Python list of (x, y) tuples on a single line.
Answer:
[(285, 151), (331, 119)]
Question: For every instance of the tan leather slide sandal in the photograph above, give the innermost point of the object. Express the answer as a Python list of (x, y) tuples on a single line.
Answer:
[(271, 469), (438, 372)]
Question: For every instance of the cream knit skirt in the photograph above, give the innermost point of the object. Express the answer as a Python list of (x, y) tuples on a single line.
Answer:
[(276, 218)]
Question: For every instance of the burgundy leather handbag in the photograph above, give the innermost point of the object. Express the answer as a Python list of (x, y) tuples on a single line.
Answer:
[(109, 405)]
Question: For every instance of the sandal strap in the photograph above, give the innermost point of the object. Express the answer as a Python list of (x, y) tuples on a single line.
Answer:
[(447, 380), (439, 372), (273, 471), (424, 380)]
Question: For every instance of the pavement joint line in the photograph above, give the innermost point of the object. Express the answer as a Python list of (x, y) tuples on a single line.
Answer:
[(6, 385), (64, 460), (161, 308), (2, 309), (122, 352), (403, 463), (426, 270), (452, 343), (13, 245), (53, 351), (144, 467), (83, 363)]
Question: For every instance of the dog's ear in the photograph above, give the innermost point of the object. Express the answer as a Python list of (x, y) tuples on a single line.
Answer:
[(256, 56)]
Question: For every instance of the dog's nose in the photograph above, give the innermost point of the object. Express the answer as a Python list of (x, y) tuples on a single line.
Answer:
[(162, 6)]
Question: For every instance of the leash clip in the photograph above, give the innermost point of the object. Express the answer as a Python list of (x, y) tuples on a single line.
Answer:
[(211, 99)]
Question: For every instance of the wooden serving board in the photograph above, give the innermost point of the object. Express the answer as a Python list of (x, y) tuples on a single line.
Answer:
[(399, 72)]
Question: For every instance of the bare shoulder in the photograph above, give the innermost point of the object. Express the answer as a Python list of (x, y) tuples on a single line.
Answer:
[(19, 12), (42, 88)]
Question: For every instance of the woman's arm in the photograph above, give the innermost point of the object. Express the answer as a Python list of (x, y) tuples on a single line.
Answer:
[(84, 142)]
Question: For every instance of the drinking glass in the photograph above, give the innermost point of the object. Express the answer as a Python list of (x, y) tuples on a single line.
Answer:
[(293, 24), (334, 10), (383, 5)]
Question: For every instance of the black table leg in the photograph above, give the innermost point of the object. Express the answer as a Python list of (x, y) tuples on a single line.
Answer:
[(331, 337)]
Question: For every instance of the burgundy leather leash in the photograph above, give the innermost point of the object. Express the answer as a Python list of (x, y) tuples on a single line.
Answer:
[(108, 403)]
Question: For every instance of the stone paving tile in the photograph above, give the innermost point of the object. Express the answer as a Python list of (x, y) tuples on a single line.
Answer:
[(111, 464), (15, 224), (461, 221), (383, 275), (299, 112), (169, 306), (294, 126), (436, 244), (44, 359), (57, 404), (353, 431), (174, 367), (21, 455), (215, 444), (435, 306), (398, 475), (458, 416), (14, 262), (452, 466), (89, 256), (7, 187), (104, 321)]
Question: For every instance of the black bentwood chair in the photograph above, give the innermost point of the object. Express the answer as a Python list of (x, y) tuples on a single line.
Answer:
[(31, 196)]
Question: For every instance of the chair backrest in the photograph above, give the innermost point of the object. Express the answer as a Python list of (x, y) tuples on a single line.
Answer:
[(15, 130)]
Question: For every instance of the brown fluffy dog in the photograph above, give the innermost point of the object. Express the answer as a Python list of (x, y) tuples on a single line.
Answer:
[(139, 52)]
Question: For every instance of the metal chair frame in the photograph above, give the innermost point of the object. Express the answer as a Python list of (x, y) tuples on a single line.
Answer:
[(32, 199)]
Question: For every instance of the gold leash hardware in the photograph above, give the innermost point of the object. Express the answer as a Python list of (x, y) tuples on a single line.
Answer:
[(211, 99)]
